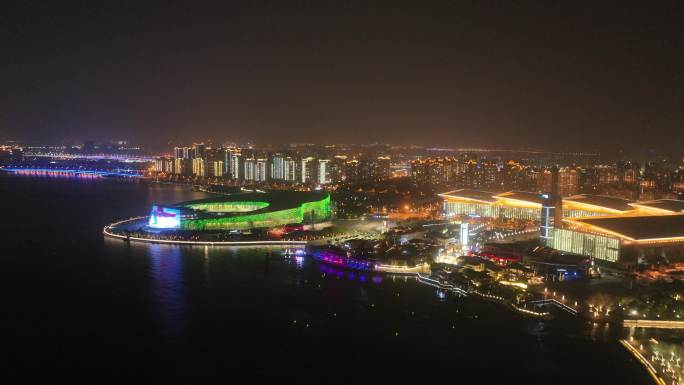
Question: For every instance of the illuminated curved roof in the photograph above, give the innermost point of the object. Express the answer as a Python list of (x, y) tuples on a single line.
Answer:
[(468, 194), (661, 205), (515, 198), (522, 196), (617, 205), (650, 228), (254, 210), (256, 203), (588, 203)]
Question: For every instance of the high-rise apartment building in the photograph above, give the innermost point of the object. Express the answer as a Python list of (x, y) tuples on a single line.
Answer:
[(568, 181), (306, 170), (217, 168), (323, 171), (198, 150), (260, 170), (289, 169), (249, 169), (199, 167), (235, 169), (278, 166)]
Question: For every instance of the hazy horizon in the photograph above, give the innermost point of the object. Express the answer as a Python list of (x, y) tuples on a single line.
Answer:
[(555, 76)]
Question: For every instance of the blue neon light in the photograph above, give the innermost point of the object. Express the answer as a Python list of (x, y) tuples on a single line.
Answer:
[(117, 172)]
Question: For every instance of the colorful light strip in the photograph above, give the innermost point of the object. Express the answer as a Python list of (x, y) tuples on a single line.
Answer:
[(123, 173), (107, 232)]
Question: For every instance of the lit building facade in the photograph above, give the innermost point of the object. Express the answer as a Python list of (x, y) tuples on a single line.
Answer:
[(289, 169), (625, 239), (182, 166), (323, 171), (249, 173), (475, 203), (199, 167), (551, 215), (182, 152), (592, 245), (609, 229), (260, 170), (217, 168), (231, 167), (467, 173), (235, 169), (568, 181), (159, 164), (306, 170), (283, 168), (244, 211), (278, 166), (528, 205), (198, 150)]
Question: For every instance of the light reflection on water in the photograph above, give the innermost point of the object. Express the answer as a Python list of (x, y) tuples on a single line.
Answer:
[(330, 271), (168, 287), (161, 303)]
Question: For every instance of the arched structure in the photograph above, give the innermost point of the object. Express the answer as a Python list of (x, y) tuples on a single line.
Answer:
[(244, 211)]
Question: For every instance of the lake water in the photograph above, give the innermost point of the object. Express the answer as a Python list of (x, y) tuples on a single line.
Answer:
[(76, 306)]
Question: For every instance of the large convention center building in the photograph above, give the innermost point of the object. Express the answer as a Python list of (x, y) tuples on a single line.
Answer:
[(607, 228), (527, 205), (244, 211)]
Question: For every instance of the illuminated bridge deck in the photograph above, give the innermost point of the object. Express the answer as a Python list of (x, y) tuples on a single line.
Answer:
[(74, 172)]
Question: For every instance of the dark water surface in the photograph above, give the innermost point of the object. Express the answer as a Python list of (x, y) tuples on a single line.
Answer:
[(79, 307)]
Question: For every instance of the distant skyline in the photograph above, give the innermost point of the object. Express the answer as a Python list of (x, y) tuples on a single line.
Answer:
[(561, 76)]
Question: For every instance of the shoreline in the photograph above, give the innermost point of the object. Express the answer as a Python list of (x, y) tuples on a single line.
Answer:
[(106, 231), (421, 278)]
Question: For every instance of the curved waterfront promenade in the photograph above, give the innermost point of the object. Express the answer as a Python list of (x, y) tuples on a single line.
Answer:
[(107, 231)]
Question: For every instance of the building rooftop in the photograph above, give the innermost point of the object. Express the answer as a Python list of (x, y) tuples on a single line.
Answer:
[(260, 202), (661, 205), (601, 202), (638, 228), (469, 194), (523, 196)]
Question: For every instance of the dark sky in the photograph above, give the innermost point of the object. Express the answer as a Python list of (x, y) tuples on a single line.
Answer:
[(560, 75)]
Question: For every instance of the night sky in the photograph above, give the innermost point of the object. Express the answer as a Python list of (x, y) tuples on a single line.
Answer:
[(546, 74)]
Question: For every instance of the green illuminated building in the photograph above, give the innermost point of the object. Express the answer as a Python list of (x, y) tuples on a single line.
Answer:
[(255, 210)]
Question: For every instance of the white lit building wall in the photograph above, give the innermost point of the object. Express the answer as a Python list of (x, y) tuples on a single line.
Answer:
[(568, 181), (471, 209), (250, 169), (199, 149), (306, 170), (496, 211), (580, 213), (177, 152), (199, 167), (591, 245), (278, 167), (289, 169), (490, 211), (159, 164), (235, 166), (227, 160), (169, 165), (178, 165), (464, 235), (217, 168), (548, 214), (323, 171), (182, 152), (260, 170), (523, 213)]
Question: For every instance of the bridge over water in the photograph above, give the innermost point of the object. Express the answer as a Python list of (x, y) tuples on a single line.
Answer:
[(126, 173)]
